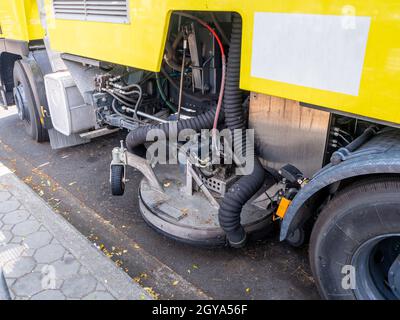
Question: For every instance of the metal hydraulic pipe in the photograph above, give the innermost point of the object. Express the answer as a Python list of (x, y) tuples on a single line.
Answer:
[(145, 115)]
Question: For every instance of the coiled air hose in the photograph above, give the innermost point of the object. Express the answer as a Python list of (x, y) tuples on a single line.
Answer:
[(245, 188)]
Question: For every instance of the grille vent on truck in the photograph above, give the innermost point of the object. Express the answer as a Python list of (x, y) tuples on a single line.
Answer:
[(115, 11)]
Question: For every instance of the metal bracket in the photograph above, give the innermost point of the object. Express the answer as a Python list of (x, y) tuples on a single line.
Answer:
[(192, 175), (97, 133), (121, 156), (145, 168)]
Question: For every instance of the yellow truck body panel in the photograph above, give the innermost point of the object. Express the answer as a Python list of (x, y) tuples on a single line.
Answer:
[(368, 48), (19, 20)]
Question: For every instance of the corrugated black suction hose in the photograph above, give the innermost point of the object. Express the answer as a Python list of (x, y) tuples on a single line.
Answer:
[(245, 188), (136, 138)]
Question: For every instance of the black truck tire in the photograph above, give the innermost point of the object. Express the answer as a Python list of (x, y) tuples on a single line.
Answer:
[(356, 240), (23, 93)]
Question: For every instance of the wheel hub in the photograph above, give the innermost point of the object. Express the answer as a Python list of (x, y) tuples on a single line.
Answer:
[(20, 102), (394, 277), (377, 266)]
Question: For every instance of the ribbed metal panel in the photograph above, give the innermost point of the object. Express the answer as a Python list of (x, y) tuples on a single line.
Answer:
[(92, 10)]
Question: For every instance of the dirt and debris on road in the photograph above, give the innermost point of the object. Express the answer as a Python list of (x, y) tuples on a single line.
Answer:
[(75, 183)]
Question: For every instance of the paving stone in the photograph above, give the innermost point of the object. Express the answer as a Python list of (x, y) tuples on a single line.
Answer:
[(66, 268), (9, 254), (79, 286), (100, 287), (39, 267), (7, 227), (25, 228), (10, 282), (55, 241), (9, 205), (20, 267), (68, 257), (17, 240), (15, 217), (49, 295), (49, 253), (5, 237), (83, 271), (28, 285), (99, 295), (29, 252), (38, 239), (4, 195)]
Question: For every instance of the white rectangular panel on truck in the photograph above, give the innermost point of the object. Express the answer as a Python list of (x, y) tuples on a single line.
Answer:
[(323, 52)]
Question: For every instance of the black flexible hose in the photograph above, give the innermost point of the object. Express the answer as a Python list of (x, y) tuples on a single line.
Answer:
[(337, 156), (245, 188), (136, 138)]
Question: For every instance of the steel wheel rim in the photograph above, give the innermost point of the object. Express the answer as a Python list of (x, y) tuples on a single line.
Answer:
[(372, 260), (20, 102)]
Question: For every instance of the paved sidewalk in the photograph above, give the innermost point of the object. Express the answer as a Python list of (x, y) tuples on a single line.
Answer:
[(44, 257)]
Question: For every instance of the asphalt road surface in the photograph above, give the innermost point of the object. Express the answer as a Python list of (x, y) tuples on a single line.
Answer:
[(74, 181)]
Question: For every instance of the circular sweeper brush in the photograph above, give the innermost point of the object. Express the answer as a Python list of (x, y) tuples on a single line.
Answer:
[(191, 217)]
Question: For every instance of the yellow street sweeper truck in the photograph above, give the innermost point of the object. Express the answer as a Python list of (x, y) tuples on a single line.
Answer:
[(242, 116)]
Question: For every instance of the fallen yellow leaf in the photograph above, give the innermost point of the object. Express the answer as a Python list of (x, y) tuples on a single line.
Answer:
[(152, 292)]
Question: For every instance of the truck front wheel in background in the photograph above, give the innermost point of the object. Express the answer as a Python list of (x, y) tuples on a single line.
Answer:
[(355, 243), (28, 111)]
